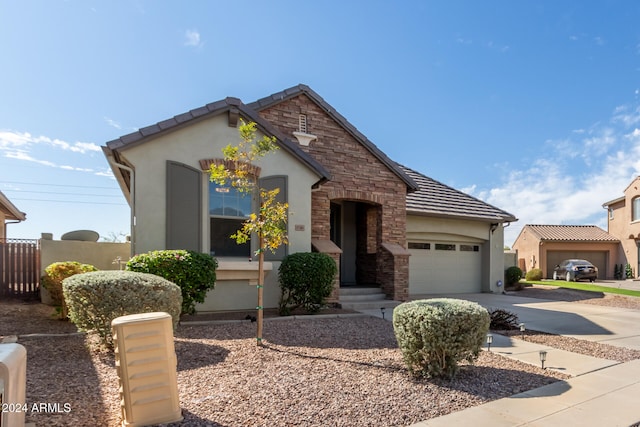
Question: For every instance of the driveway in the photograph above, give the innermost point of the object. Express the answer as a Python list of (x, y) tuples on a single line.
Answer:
[(606, 325)]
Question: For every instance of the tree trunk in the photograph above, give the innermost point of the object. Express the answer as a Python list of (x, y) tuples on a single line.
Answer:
[(260, 290)]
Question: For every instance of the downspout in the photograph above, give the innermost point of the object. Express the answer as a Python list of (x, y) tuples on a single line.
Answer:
[(133, 201)]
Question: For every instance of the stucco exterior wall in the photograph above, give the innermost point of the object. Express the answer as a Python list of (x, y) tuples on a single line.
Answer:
[(205, 140), (620, 225), (189, 145), (99, 254)]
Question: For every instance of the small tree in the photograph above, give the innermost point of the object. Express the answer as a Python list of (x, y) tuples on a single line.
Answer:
[(269, 223)]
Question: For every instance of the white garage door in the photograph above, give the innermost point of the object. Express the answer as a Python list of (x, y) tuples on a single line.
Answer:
[(444, 267)]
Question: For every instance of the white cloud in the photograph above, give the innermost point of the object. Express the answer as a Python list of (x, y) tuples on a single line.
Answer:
[(571, 179), (21, 155), (112, 123), (192, 38), (10, 140)]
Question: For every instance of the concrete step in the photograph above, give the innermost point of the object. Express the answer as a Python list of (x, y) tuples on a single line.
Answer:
[(389, 305), (365, 298), (362, 298), (357, 290)]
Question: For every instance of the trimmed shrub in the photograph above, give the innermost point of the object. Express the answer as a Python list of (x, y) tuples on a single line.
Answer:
[(535, 274), (52, 281), (95, 299), (193, 272), (434, 335), (512, 276), (306, 280)]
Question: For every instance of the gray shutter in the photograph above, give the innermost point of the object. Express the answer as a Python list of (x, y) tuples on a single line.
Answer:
[(184, 207), (270, 183)]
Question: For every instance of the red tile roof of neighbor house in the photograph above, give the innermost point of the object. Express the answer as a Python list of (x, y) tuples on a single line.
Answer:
[(570, 233), (437, 199)]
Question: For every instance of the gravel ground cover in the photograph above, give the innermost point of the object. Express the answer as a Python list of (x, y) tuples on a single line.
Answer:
[(311, 372)]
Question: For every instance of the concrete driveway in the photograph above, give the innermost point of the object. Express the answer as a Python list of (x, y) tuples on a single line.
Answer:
[(607, 325)]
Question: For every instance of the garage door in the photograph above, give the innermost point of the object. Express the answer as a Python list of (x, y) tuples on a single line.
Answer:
[(597, 258), (444, 267)]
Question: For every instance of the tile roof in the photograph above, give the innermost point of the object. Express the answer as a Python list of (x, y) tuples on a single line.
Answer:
[(437, 199), (570, 233), (228, 104), (292, 92)]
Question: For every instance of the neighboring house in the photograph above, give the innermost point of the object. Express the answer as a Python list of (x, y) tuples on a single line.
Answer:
[(346, 198), (545, 246), (9, 214), (624, 223)]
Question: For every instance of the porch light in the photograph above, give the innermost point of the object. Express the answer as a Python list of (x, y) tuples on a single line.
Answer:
[(489, 341), (543, 357)]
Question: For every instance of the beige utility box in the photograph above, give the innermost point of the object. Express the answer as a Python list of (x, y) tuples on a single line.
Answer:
[(13, 384), (146, 363)]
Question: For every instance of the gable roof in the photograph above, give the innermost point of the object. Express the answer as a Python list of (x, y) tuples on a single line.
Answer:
[(230, 105), (10, 211), (437, 199), (300, 89), (569, 233)]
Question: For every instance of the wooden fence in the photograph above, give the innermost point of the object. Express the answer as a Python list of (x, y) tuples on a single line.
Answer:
[(19, 268)]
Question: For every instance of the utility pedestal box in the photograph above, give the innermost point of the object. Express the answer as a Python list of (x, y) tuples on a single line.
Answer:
[(146, 364), (13, 384)]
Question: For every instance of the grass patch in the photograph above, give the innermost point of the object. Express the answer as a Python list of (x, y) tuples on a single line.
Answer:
[(583, 286)]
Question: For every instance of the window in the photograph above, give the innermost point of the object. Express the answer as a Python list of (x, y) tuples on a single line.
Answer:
[(416, 245), (635, 209), (610, 213), (228, 210), (445, 247), (469, 248)]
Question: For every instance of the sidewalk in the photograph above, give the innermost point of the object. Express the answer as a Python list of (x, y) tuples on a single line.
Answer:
[(608, 397)]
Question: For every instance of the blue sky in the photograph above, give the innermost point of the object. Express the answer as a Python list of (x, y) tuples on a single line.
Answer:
[(531, 106)]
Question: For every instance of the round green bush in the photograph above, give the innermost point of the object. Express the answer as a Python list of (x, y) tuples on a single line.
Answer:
[(512, 276), (535, 274), (95, 299), (55, 273), (434, 335), (306, 280), (193, 272)]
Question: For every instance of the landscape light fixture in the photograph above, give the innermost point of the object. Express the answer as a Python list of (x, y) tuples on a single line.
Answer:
[(489, 341), (522, 329), (382, 309), (543, 357)]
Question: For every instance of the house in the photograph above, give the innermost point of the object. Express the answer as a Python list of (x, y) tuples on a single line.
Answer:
[(346, 198), (624, 223), (545, 246), (9, 214)]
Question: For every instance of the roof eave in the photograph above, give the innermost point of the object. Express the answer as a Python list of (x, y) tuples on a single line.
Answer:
[(14, 213), (436, 214)]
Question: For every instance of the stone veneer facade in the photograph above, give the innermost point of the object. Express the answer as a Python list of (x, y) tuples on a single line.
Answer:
[(356, 175)]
